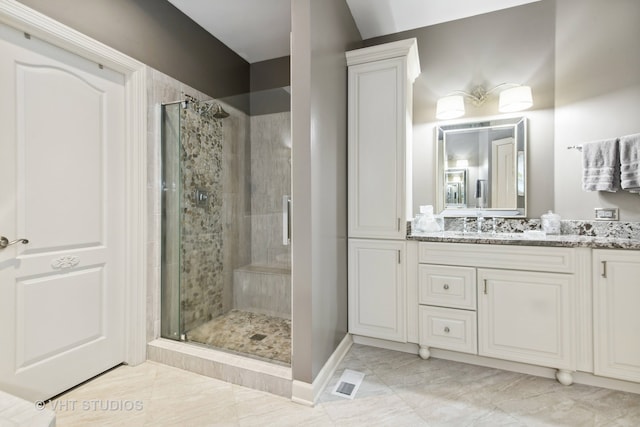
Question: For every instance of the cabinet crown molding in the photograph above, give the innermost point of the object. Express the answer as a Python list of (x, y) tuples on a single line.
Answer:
[(408, 48)]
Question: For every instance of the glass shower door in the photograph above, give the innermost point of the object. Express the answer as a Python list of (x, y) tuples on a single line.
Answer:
[(170, 324)]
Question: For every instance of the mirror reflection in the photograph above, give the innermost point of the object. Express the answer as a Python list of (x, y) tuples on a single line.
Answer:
[(482, 167), (456, 187)]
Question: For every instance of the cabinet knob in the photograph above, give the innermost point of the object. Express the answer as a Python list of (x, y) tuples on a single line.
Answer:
[(446, 286), (446, 329)]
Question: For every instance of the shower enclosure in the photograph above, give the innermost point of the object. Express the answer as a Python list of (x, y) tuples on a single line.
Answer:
[(226, 260)]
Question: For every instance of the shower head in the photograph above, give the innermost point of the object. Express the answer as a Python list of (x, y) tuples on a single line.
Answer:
[(218, 112), (202, 107)]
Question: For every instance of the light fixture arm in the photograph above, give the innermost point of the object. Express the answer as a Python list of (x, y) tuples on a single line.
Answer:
[(479, 95), (513, 98)]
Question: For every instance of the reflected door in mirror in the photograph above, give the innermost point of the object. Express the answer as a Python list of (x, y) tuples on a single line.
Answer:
[(456, 184)]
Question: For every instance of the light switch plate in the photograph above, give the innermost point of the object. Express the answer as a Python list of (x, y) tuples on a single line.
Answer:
[(606, 214)]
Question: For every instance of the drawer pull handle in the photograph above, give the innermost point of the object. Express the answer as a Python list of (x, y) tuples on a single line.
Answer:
[(446, 286), (604, 269), (485, 286), (446, 329)]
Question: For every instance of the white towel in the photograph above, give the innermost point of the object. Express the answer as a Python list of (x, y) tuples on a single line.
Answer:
[(601, 166), (630, 163)]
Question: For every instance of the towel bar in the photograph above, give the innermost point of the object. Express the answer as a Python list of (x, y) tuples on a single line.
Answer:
[(575, 147)]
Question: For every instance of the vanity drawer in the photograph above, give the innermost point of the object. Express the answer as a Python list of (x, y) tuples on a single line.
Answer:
[(448, 329), (447, 286)]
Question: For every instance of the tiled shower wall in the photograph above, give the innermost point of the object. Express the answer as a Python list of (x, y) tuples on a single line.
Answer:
[(270, 181), (233, 219)]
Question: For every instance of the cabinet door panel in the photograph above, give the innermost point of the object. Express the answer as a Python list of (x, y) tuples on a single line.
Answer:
[(617, 314), (526, 317), (377, 149), (376, 289)]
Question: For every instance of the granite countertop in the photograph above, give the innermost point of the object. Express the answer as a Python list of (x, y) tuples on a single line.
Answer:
[(523, 239), (526, 232)]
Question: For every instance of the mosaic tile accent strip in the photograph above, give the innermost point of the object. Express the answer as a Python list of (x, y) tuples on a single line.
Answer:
[(235, 329), (201, 261)]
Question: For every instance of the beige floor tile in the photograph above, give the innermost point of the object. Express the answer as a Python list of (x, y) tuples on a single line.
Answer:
[(387, 410), (399, 389)]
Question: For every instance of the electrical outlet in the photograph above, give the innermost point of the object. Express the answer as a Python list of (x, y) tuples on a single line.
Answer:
[(606, 214)]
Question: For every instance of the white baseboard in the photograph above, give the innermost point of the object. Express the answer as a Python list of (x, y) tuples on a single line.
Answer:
[(507, 365), (307, 394), (405, 347), (302, 393), (590, 379)]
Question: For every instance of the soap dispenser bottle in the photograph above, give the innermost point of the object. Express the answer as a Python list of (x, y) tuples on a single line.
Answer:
[(550, 223)]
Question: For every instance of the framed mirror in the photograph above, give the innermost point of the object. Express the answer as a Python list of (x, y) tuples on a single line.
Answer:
[(481, 167), (455, 181)]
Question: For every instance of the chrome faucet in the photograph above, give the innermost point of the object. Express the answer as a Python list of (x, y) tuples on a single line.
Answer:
[(479, 221)]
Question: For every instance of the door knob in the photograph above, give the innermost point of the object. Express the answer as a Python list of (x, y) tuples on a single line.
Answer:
[(4, 242)]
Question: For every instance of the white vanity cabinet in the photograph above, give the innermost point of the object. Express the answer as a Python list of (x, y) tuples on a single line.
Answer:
[(513, 303), (377, 289), (447, 311), (616, 294), (380, 82), (526, 316)]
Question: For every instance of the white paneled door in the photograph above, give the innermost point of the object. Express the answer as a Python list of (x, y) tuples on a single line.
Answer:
[(62, 136), (503, 173)]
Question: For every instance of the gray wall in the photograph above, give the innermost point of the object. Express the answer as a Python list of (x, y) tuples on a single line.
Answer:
[(322, 31), (159, 35), (510, 45), (597, 95), (270, 74), (270, 81), (581, 60)]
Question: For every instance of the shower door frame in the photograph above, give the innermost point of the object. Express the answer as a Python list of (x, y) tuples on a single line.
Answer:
[(25, 19)]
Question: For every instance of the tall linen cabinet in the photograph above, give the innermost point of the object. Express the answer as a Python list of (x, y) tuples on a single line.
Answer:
[(379, 185)]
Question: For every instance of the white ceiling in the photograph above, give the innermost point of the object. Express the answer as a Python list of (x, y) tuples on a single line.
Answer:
[(379, 17), (258, 30)]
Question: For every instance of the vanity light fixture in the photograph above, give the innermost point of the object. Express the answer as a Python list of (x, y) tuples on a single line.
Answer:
[(462, 163), (515, 98)]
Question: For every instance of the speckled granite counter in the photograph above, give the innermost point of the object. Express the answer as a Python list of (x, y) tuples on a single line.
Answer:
[(567, 241), (596, 235)]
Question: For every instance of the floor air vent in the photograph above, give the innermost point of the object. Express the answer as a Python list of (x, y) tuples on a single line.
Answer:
[(348, 384)]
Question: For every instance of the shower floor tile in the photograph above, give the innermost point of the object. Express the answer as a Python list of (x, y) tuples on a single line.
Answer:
[(243, 331)]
